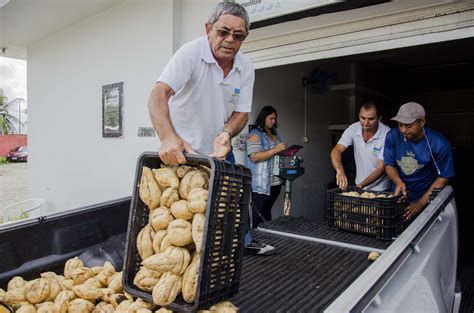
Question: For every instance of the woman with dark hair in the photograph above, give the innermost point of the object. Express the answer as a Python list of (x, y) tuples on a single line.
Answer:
[(262, 144)]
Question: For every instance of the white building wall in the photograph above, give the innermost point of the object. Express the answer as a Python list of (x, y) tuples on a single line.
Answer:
[(193, 16), (70, 164)]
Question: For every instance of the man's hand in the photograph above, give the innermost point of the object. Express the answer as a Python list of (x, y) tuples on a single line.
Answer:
[(412, 209), (221, 146), (400, 188), (341, 180), (171, 150), (416, 207)]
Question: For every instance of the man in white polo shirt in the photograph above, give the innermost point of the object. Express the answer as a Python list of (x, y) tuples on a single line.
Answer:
[(204, 94), (368, 138)]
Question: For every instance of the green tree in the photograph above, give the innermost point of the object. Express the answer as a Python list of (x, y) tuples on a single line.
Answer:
[(7, 121)]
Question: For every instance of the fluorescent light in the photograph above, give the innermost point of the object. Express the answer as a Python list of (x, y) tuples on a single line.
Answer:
[(3, 2)]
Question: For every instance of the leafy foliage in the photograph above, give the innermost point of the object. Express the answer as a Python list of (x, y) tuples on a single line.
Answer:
[(7, 121), (3, 160)]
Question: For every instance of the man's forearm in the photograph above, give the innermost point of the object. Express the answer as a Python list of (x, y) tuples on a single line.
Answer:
[(372, 177), (337, 161), (159, 112), (236, 123), (439, 182), (392, 173), (379, 170)]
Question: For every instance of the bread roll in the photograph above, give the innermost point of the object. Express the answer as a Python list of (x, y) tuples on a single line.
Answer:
[(180, 233)]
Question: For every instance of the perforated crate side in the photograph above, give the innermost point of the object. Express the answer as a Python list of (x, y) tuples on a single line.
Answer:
[(221, 260), (379, 217)]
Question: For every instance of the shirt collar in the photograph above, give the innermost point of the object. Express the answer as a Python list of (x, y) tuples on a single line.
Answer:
[(207, 56), (378, 133)]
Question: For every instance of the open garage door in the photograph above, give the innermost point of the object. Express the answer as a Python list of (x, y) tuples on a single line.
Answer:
[(390, 52), (393, 51), (438, 76)]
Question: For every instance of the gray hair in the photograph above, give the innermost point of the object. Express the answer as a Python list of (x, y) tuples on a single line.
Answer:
[(231, 8)]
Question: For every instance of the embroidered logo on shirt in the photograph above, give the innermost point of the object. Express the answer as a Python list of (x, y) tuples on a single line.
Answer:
[(376, 151), (408, 164), (235, 96)]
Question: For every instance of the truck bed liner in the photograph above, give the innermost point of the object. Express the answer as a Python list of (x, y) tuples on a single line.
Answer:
[(305, 227), (301, 276), (32, 247)]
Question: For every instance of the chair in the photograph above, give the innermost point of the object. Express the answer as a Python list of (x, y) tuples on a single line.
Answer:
[(25, 209)]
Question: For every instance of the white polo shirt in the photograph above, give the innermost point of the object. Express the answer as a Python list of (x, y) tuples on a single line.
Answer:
[(366, 154), (204, 100)]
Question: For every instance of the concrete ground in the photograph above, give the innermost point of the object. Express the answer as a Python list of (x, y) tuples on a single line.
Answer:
[(13, 183)]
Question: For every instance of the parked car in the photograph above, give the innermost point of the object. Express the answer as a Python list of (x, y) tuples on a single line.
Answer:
[(19, 154)]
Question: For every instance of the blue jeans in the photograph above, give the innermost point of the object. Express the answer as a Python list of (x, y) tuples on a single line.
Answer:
[(248, 235)]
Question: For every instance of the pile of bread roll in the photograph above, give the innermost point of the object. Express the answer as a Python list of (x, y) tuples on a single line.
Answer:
[(169, 246), (80, 290), (365, 194)]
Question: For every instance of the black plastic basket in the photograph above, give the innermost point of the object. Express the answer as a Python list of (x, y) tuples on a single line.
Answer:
[(223, 243), (377, 217)]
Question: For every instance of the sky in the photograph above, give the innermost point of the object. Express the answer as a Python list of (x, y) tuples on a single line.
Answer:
[(13, 83), (13, 78)]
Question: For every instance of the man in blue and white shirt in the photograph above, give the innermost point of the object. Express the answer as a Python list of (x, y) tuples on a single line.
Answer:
[(417, 159), (368, 137)]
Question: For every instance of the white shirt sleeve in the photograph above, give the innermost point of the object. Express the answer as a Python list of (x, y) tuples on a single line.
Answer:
[(387, 129), (381, 154), (179, 69), (246, 91), (347, 138)]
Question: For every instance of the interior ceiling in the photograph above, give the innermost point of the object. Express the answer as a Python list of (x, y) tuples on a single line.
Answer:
[(445, 65), (23, 22), (448, 53)]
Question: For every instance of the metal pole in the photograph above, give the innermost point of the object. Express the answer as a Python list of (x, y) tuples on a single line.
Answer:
[(287, 201)]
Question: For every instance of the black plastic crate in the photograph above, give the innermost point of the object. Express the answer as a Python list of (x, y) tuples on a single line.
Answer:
[(223, 243), (377, 217)]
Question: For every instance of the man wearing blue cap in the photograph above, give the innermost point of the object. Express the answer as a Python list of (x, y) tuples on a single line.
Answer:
[(417, 159)]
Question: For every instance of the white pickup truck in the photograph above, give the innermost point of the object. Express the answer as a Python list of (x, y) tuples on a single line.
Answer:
[(314, 269)]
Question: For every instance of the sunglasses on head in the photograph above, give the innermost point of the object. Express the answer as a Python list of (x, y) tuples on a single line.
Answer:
[(224, 33)]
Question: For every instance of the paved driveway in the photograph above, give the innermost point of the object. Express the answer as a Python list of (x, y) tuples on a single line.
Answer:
[(13, 183)]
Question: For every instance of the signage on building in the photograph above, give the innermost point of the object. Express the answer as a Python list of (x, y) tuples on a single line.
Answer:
[(260, 10)]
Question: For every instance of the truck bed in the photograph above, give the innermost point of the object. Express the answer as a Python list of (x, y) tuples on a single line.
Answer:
[(466, 276), (313, 267), (316, 273), (304, 227), (302, 275), (29, 248)]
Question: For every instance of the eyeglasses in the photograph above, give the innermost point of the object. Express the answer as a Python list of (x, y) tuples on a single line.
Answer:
[(224, 33)]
